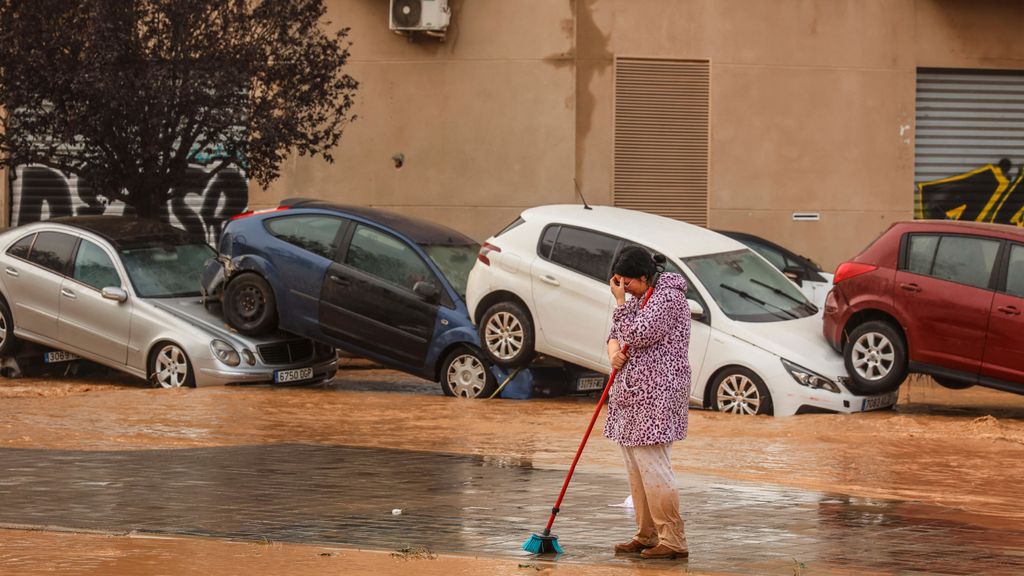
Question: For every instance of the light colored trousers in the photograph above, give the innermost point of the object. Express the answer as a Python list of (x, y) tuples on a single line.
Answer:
[(655, 495)]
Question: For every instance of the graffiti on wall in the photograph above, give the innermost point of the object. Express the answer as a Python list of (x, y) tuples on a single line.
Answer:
[(202, 206), (986, 194)]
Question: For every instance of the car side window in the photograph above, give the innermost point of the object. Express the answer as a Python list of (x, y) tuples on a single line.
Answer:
[(586, 252), (52, 250), (547, 242), (20, 248), (921, 253), (382, 255), (1015, 272), (314, 233), (94, 268), (965, 260), (774, 256)]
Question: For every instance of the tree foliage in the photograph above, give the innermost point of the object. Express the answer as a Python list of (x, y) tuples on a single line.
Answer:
[(127, 93)]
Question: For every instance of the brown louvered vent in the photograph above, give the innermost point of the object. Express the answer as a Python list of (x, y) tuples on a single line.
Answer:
[(661, 137)]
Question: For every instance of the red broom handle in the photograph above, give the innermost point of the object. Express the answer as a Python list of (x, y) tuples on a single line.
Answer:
[(586, 435)]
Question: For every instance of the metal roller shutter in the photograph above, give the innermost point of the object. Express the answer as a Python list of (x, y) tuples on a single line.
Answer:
[(969, 145), (661, 137)]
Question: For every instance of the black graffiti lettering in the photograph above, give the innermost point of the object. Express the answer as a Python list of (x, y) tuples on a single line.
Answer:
[(201, 206), (41, 186)]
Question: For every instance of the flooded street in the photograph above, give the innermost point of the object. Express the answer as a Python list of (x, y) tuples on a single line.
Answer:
[(942, 465)]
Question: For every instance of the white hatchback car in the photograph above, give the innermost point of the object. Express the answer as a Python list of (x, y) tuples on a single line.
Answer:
[(540, 286)]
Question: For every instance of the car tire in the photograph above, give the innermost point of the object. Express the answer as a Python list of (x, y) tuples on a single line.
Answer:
[(249, 305), (8, 341), (465, 374), (875, 355), (737, 390), (506, 332), (952, 384), (169, 367)]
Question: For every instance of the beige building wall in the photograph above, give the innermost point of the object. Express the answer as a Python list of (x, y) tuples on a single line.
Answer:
[(812, 107)]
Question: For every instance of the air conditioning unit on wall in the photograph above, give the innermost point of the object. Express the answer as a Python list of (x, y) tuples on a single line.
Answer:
[(428, 16)]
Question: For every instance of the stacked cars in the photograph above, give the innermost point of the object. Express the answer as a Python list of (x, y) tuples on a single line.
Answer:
[(124, 293), (540, 286)]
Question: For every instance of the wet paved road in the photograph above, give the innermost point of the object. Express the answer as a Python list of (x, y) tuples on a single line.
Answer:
[(482, 506)]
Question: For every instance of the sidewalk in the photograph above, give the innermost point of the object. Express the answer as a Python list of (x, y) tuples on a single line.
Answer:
[(319, 494)]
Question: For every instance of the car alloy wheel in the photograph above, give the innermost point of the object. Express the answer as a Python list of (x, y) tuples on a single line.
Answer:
[(873, 356), (171, 367), (737, 390), (737, 394), (8, 341), (504, 336)]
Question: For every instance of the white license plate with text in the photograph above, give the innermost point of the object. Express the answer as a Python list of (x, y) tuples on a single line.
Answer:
[(878, 402), (60, 356), (590, 383), (298, 375)]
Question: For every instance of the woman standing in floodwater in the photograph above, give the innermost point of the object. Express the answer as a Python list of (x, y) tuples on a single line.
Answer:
[(649, 402)]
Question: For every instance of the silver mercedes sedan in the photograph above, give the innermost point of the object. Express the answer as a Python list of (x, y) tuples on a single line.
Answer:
[(124, 292)]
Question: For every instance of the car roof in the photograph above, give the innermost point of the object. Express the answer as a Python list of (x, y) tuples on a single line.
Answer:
[(1008, 231), (418, 230), (129, 231), (671, 237)]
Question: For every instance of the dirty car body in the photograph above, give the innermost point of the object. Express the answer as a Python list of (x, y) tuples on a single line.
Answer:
[(124, 292), (377, 284)]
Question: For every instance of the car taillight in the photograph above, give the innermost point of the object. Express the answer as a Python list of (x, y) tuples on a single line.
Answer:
[(248, 213), (486, 249), (848, 270)]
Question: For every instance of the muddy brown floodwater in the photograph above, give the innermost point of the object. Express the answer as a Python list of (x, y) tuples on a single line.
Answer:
[(955, 449)]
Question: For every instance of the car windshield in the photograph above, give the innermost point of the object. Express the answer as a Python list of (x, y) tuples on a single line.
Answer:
[(749, 289), (455, 263), (166, 271)]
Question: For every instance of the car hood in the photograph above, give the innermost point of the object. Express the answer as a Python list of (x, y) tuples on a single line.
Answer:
[(192, 311), (799, 341)]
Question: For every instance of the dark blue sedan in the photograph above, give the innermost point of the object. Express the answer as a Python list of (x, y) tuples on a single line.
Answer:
[(380, 285)]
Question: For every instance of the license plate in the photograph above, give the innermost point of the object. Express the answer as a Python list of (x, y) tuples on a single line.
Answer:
[(282, 376), (883, 401), (60, 356), (590, 383)]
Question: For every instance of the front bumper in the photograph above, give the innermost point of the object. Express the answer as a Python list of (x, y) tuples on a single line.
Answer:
[(789, 398), (324, 370)]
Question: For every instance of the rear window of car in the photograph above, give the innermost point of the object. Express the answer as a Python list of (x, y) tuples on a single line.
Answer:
[(314, 233), (20, 248), (589, 253), (52, 250), (962, 259)]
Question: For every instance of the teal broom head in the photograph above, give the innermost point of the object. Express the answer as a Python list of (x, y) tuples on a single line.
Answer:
[(538, 544)]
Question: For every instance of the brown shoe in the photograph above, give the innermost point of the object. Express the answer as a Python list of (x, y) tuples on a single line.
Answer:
[(662, 551), (631, 547)]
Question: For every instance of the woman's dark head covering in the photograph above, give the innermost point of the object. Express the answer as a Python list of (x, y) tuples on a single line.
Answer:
[(634, 262)]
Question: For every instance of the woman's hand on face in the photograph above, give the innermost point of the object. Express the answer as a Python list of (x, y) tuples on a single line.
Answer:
[(618, 289), (618, 359)]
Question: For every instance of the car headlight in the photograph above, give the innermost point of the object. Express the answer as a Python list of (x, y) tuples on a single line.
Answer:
[(225, 352), (248, 356), (810, 379)]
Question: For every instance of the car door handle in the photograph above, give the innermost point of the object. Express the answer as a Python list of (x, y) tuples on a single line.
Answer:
[(1010, 310), (339, 280), (910, 287), (548, 279), (68, 293), (11, 272)]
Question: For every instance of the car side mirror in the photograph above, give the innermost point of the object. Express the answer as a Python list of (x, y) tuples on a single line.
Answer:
[(427, 291), (114, 293), (795, 274), (696, 310)]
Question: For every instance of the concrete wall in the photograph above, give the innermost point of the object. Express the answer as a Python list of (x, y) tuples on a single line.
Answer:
[(812, 107)]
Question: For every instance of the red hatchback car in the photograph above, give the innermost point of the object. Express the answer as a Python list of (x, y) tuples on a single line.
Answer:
[(935, 297)]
